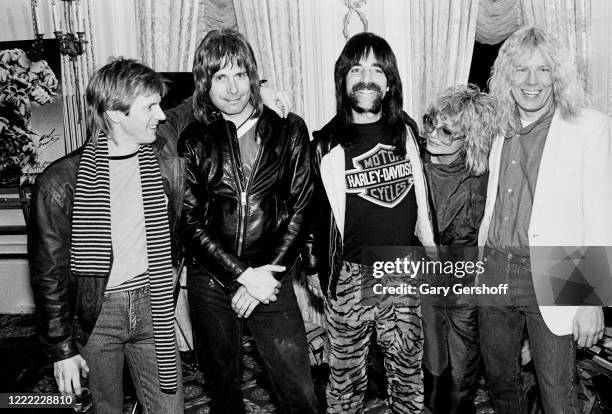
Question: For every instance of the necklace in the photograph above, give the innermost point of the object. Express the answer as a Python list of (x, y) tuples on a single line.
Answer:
[(245, 121)]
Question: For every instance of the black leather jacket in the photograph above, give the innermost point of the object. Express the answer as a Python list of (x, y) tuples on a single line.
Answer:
[(68, 306), (228, 223)]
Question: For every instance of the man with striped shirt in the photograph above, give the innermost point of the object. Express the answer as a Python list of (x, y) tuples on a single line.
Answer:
[(100, 248)]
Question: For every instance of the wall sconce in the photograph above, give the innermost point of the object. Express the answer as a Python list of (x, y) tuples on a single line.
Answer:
[(71, 44)]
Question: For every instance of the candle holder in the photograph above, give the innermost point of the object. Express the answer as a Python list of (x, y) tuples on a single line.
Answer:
[(71, 44), (36, 51)]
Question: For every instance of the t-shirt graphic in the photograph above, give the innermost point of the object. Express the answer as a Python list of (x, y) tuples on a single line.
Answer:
[(380, 176)]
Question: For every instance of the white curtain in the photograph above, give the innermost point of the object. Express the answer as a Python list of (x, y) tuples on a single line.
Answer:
[(601, 56), (167, 33), (448, 41), (113, 28), (76, 71), (497, 20), (272, 27)]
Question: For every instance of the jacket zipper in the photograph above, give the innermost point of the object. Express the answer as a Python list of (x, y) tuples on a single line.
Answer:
[(235, 159), (243, 202)]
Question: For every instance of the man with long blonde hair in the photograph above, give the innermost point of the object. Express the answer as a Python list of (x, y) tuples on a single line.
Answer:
[(548, 186)]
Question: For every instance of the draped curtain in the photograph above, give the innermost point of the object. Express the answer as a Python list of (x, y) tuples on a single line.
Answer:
[(171, 30), (75, 73), (445, 48), (215, 14), (167, 33), (497, 20), (272, 27), (601, 57)]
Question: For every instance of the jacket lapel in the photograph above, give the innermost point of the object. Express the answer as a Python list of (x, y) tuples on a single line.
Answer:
[(332, 175)]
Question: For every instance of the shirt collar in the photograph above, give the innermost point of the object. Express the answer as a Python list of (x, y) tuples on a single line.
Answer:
[(546, 116)]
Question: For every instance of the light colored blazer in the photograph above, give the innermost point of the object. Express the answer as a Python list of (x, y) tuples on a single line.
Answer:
[(572, 204), (333, 177)]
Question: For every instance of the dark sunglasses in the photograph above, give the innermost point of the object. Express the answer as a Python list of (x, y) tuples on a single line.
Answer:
[(444, 134)]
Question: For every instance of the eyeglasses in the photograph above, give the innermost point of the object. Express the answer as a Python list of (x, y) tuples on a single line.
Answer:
[(445, 135)]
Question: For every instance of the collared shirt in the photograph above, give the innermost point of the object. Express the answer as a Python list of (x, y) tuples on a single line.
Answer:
[(518, 175)]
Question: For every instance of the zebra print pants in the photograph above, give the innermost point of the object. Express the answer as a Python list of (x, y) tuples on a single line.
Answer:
[(396, 321)]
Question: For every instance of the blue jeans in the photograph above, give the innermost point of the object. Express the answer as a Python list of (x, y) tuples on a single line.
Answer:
[(278, 330), (124, 331), (501, 337)]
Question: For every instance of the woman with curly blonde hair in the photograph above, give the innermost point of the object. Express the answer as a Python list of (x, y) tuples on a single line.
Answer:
[(459, 126)]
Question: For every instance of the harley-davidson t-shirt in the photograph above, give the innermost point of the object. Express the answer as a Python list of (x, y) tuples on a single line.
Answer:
[(381, 208)]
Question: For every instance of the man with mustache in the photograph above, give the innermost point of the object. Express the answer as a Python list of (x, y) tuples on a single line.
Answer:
[(370, 191)]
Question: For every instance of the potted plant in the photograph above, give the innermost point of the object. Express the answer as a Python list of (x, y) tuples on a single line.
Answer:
[(22, 83)]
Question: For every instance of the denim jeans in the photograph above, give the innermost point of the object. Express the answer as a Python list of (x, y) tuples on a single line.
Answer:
[(501, 335), (451, 349), (278, 330), (124, 332)]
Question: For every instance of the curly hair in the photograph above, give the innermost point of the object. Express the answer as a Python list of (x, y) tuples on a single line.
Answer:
[(473, 114), (115, 87), (567, 91), (218, 49), (359, 47)]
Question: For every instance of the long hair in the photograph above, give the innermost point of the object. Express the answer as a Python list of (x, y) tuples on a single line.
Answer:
[(358, 47), (473, 114), (567, 91), (115, 87), (217, 50)]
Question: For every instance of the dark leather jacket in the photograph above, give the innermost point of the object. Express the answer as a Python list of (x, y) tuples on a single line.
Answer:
[(458, 200), (68, 306), (230, 223)]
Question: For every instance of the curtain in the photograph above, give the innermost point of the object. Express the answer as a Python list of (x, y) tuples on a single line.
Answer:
[(215, 14), (76, 71), (497, 20), (601, 58), (272, 27), (167, 33)]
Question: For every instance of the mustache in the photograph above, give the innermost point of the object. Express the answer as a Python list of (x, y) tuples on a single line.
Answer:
[(366, 86)]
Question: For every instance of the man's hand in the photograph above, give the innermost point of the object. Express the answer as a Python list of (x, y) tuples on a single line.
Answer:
[(314, 285), (243, 303), (67, 374), (278, 101), (588, 325), (261, 283)]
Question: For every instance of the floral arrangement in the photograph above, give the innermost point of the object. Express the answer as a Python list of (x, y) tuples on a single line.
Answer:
[(22, 82)]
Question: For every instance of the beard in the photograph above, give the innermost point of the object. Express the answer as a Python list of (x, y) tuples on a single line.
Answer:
[(376, 102)]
